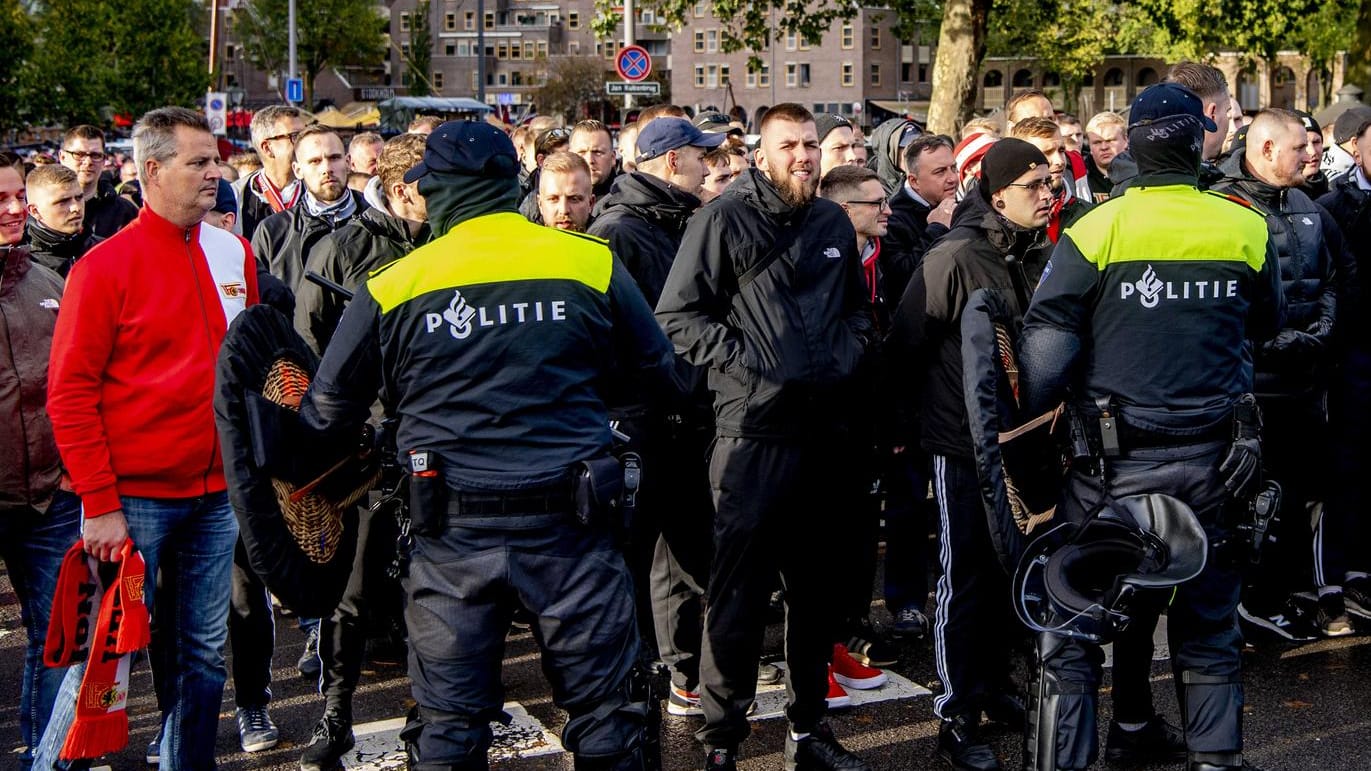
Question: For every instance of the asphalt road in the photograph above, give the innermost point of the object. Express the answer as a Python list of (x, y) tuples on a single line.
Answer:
[(1308, 707)]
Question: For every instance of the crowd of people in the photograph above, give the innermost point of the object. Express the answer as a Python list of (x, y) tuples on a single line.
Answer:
[(771, 324)]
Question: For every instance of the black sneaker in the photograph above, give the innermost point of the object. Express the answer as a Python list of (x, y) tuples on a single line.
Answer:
[(1157, 742), (1289, 621), (331, 740), (870, 647), (960, 746), (256, 731), (721, 759), (1202, 766), (1357, 597), (1330, 615), (820, 751), (309, 664), (910, 622)]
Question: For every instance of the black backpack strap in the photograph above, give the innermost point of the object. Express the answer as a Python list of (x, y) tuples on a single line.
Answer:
[(761, 266)]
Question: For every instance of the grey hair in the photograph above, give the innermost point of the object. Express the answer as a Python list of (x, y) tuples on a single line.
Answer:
[(154, 136), (264, 121)]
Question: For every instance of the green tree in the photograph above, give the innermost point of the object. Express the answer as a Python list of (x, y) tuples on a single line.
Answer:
[(16, 45), (92, 58), (420, 61), (572, 84), (329, 33)]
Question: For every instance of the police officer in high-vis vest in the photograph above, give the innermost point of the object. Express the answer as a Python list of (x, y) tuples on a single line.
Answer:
[(1141, 324), (487, 345)]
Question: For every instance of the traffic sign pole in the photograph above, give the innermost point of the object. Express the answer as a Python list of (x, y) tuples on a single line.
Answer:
[(630, 39)]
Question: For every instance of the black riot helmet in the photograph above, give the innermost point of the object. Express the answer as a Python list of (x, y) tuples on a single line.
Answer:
[(1078, 581)]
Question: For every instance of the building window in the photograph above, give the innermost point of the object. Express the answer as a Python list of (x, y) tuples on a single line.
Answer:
[(849, 36), (875, 37), (573, 20), (450, 21), (712, 41), (490, 20), (469, 21), (804, 75), (792, 74), (404, 21), (723, 74), (438, 80), (516, 78), (699, 41), (404, 77), (804, 43), (528, 51), (515, 52), (712, 76), (542, 48), (699, 10), (404, 50), (751, 80), (849, 78), (764, 76), (699, 76), (574, 48), (449, 49), (501, 51), (230, 51), (791, 41), (875, 74), (465, 49)]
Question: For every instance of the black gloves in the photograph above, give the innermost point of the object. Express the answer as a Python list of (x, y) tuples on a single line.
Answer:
[(1241, 470)]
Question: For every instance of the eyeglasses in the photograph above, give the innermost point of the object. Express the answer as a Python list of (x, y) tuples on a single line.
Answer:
[(1036, 186), (879, 203), (80, 155), (291, 136)]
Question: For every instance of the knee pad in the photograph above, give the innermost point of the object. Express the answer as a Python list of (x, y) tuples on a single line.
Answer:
[(620, 733), (443, 741), (1061, 730), (1212, 707)]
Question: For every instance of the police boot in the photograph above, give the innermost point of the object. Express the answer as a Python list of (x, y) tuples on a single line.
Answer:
[(1156, 742), (1218, 761), (819, 751), (960, 746), (1059, 731)]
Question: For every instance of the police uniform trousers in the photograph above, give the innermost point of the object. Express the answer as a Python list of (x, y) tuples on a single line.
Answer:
[(1202, 622), (776, 503), (973, 624), (463, 586)]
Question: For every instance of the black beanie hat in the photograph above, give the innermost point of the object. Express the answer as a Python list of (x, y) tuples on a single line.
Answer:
[(1006, 161)]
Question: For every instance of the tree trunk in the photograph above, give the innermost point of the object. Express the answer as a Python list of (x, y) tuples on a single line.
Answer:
[(961, 46), (1359, 62)]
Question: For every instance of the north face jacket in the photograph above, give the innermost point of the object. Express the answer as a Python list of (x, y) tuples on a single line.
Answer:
[(30, 295), (784, 344)]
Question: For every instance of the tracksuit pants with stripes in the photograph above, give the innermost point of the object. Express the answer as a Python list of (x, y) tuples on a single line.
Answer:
[(974, 626)]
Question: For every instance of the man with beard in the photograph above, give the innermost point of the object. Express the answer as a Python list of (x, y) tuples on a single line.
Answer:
[(1294, 370), (1046, 135), (284, 240), (564, 192), (83, 151), (996, 227), (766, 292), (56, 212)]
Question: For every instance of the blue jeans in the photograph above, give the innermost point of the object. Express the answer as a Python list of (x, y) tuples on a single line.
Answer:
[(190, 540), (32, 546)]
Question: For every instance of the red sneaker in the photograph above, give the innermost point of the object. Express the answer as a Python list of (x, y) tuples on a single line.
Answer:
[(837, 698), (852, 673)]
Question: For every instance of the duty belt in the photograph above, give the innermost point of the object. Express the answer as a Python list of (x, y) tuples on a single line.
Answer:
[(547, 500)]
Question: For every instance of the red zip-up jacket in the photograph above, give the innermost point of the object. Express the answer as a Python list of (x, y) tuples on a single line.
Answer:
[(131, 381)]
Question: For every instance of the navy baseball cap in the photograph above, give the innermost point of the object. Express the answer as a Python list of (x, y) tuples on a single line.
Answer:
[(662, 135), (1165, 100), (467, 148), (225, 202)]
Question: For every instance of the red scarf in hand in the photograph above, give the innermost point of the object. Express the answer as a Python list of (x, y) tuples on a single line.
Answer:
[(102, 622)]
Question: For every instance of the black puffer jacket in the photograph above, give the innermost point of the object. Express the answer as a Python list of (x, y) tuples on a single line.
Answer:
[(1314, 272), (284, 241), (57, 251), (1350, 208), (983, 250), (784, 349), (371, 240), (907, 241), (107, 212), (644, 220)]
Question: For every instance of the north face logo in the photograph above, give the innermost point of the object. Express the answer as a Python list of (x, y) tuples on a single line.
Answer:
[(832, 253), (1151, 289)]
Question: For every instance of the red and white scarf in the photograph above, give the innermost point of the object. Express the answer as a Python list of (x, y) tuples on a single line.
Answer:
[(99, 619)]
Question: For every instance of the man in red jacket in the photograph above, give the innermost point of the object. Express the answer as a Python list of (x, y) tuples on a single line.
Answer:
[(130, 394)]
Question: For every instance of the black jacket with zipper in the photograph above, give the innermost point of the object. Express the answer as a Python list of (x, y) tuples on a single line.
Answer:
[(283, 242), (644, 220), (771, 299), (57, 251), (982, 250)]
